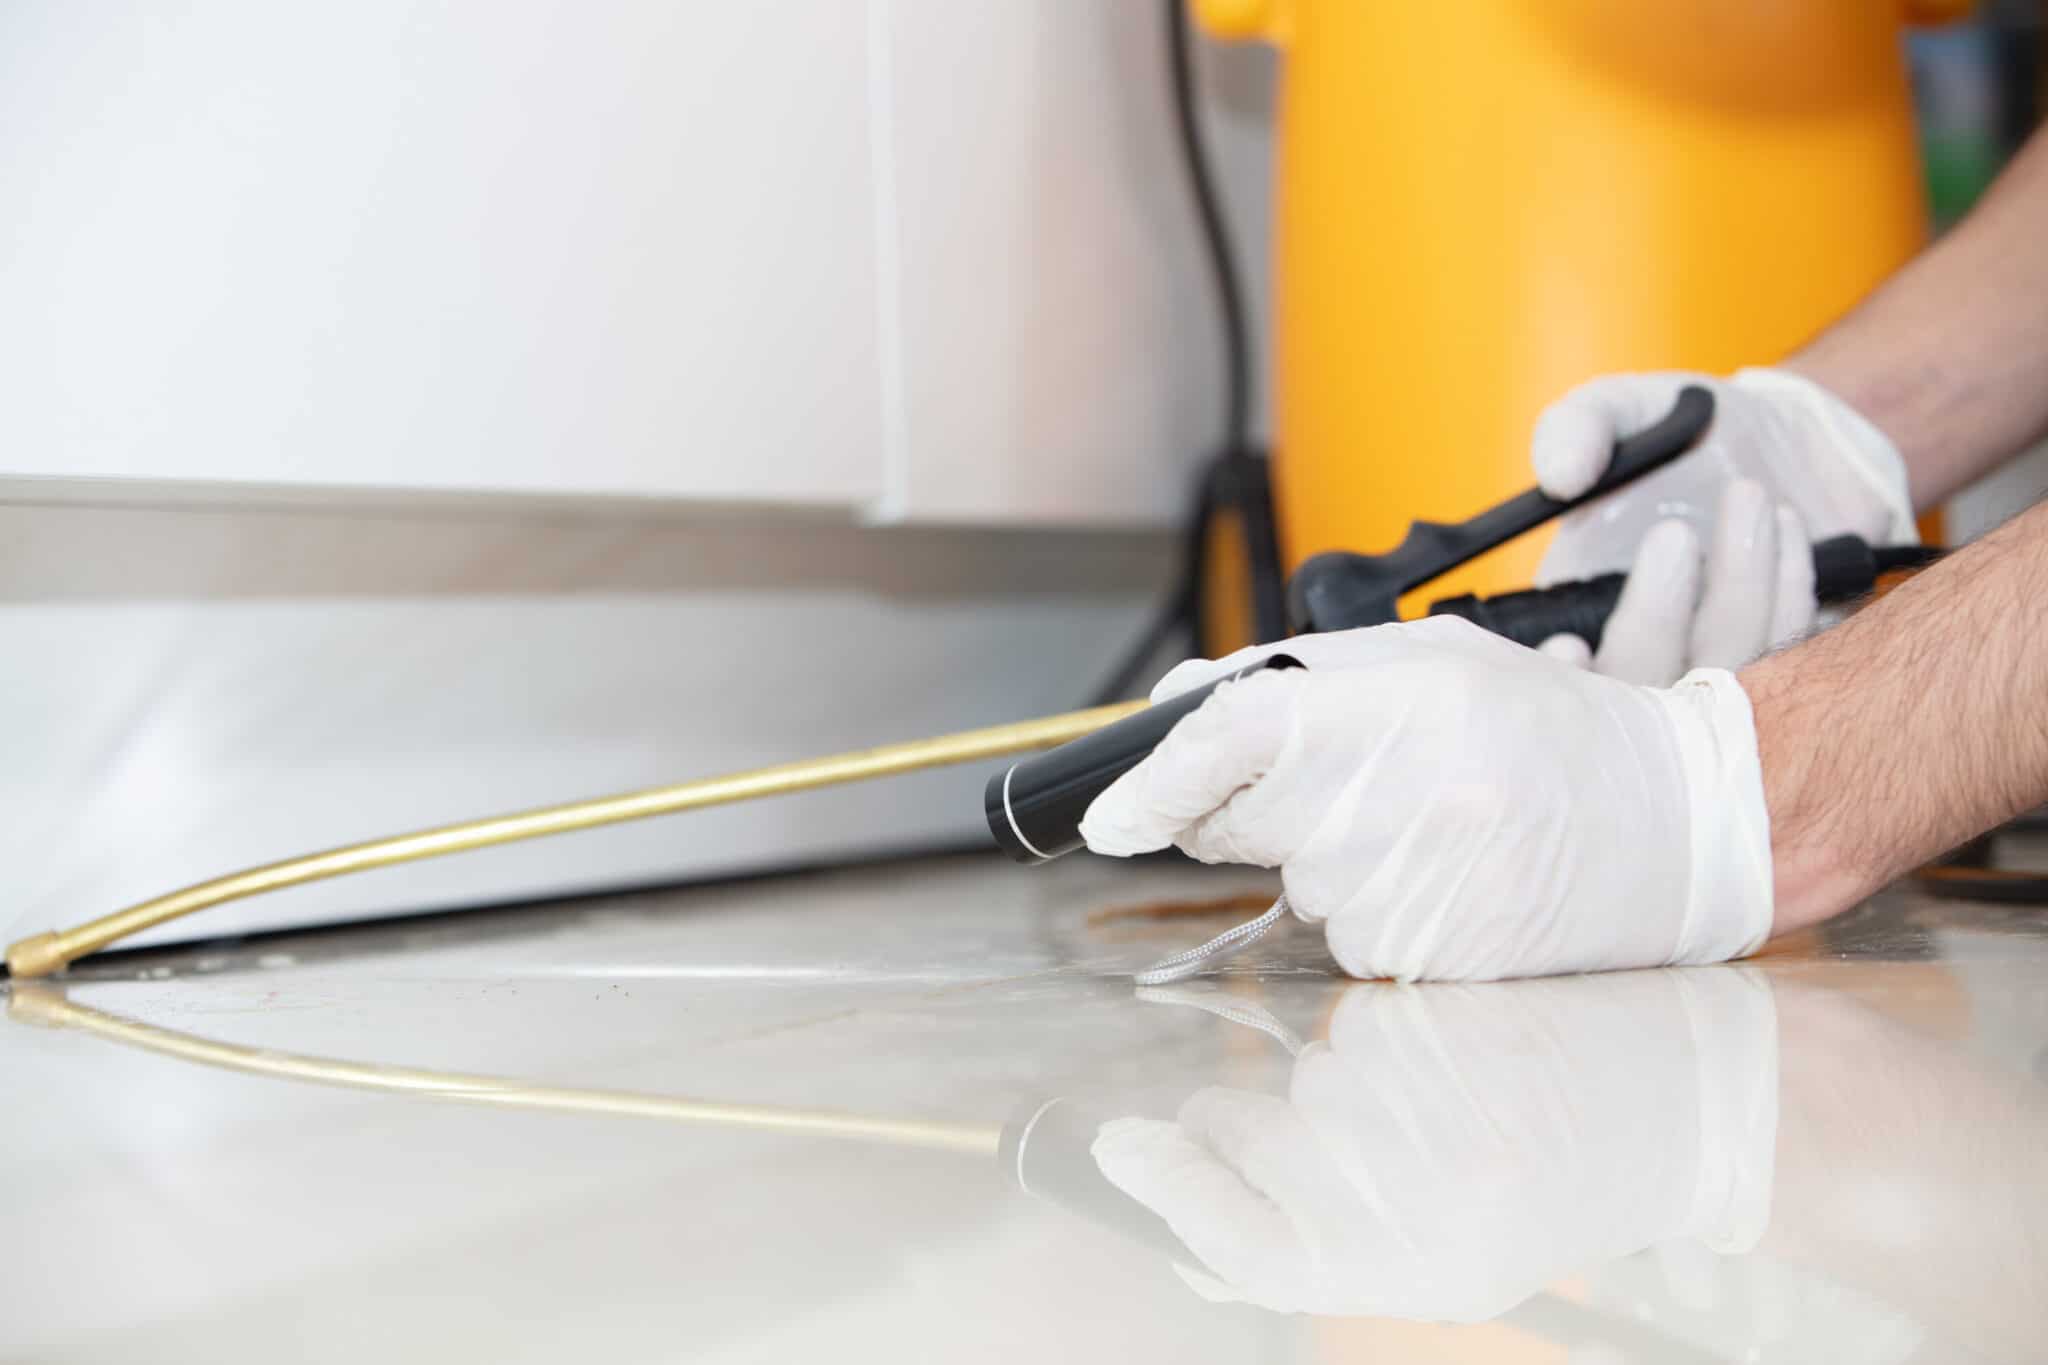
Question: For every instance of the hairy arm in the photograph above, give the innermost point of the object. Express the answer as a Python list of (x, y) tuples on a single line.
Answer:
[(1917, 724), (1948, 358)]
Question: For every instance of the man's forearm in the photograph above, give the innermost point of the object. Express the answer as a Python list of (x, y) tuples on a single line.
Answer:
[(1917, 724), (1948, 357)]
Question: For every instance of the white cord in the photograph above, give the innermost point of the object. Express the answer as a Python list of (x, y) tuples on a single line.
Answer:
[(1181, 966)]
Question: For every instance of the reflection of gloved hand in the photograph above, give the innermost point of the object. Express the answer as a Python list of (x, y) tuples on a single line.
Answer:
[(1453, 1149), (1458, 807), (1786, 463)]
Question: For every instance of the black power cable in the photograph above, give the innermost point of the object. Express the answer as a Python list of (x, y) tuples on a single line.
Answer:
[(1222, 254), (1236, 479)]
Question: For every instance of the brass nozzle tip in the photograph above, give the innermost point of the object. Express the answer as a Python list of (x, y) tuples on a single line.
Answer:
[(38, 955)]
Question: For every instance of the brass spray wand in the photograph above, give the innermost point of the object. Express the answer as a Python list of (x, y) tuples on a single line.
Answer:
[(42, 954)]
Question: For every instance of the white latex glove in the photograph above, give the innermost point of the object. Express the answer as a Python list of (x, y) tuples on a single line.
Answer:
[(1786, 463), (1454, 806), (1453, 1149)]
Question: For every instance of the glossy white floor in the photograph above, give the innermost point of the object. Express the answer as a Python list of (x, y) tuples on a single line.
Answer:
[(782, 1121)]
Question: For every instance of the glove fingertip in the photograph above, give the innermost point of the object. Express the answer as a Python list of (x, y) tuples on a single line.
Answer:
[(1795, 607), (1671, 547), (1574, 437), (1115, 839), (1647, 632), (1567, 649), (1569, 449), (1115, 825)]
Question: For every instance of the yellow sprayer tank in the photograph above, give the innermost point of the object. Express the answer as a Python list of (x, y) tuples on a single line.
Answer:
[(1484, 202)]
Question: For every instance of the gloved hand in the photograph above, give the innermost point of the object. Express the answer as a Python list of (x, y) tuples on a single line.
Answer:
[(1786, 463), (1453, 1149), (1455, 806)]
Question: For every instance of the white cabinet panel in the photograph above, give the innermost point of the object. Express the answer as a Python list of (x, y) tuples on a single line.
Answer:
[(1060, 359), (530, 246)]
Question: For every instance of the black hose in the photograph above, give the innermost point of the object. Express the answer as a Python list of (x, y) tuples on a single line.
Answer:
[(1235, 477), (1216, 243)]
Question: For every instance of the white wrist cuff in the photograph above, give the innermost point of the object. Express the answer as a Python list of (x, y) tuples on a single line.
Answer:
[(1729, 906)]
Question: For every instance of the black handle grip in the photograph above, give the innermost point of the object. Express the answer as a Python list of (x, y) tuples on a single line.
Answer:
[(1676, 432), (1034, 808), (1844, 568), (1338, 591), (1533, 615)]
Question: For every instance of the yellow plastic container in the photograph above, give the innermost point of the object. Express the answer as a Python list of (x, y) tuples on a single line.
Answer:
[(1484, 202)]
